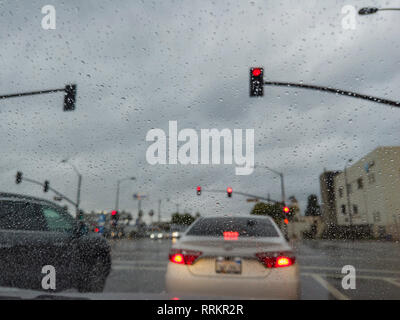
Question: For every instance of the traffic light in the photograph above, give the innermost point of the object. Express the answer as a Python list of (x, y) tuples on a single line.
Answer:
[(198, 190), (286, 209), (229, 192), (70, 97), (256, 82), (46, 186), (18, 177), (114, 217)]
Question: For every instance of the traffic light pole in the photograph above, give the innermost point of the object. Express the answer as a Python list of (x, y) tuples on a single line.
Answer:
[(244, 194), (69, 99), (333, 90), (51, 189), (14, 95)]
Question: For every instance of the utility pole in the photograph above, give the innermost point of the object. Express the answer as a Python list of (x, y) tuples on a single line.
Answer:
[(159, 211), (348, 198)]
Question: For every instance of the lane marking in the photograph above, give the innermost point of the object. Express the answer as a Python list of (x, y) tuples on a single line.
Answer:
[(392, 281), (134, 268), (343, 258), (340, 276), (357, 269), (332, 290)]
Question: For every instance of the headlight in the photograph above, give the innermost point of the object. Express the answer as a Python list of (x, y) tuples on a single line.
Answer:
[(159, 236), (175, 234), (152, 236)]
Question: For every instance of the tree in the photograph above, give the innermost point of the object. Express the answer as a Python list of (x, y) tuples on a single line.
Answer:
[(313, 208), (182, 219), (267, 209)]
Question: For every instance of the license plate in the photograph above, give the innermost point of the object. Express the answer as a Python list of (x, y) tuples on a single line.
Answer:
[(228, 265)]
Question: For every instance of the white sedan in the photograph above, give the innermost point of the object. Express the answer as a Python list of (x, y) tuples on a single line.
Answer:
[(233, 256)]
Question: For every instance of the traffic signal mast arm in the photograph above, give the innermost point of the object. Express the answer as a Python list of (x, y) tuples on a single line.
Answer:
[(50, 188), (14, 95), (243, 194), (333, 90), (69, 97)]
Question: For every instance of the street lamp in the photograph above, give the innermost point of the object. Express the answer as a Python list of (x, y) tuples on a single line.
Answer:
[(348, 195), (117, 197), (280, 174), (78, 196), (371, 10)]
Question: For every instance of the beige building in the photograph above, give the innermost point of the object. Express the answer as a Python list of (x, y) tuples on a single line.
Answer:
[(373, 193)]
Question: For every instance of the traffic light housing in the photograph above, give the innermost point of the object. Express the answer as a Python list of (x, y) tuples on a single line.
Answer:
[(18, 177), (114, 217), (229, 192), (198, 190), (256, 82), (46, 186), (70, 97)]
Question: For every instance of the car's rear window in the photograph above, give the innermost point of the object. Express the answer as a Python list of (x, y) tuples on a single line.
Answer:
[(244, 227)]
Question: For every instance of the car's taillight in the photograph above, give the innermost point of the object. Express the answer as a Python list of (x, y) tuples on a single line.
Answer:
[(276, 260), (182, 256)]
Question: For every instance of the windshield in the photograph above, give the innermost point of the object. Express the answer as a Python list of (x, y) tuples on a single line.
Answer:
[(125, 123), (239, 227)]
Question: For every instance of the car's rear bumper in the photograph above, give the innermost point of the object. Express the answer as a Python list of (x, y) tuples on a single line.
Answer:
[(281, 283)]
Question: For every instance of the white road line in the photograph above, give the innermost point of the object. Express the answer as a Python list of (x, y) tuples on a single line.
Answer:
[(335, 292), (140, 263), (392, 281), (357, 269), (134, 268), (343, 258), (340, 276)]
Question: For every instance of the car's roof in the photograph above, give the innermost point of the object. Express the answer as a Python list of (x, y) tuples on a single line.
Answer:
[(15, 197)]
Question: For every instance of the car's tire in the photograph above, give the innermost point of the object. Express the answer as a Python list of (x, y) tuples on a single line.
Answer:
[(94, 278)]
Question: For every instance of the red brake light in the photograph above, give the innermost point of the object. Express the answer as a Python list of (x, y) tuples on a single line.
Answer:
[(177, 258), (231, 235), (96, 230), (183, 256), (271, 260)]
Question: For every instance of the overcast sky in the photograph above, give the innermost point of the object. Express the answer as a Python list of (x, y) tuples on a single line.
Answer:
[(139, 64)]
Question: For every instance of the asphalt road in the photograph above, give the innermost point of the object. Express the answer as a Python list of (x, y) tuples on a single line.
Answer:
[(140, 265)]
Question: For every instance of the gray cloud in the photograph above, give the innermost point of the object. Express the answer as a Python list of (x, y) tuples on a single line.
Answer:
[(139, 64)]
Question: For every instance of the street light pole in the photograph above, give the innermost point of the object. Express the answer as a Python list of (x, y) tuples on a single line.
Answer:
[(118, 185), (370, 10), (78, 194), (280, 174), (348, 197)]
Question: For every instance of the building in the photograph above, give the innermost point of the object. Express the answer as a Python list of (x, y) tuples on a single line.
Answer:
[(371, 197), (328, 205)]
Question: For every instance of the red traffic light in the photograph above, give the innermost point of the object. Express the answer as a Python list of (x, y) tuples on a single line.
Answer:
[(229, 191), (198, 189), (286, 209), (256, 72), (114, 212)]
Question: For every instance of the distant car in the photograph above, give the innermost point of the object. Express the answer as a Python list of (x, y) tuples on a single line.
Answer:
[(35, 233), (239, 256)]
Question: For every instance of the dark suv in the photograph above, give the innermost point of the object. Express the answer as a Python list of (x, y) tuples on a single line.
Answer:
[(35, 233)]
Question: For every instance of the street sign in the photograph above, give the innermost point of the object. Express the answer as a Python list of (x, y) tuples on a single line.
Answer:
[(252, 200), (138, 196)]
